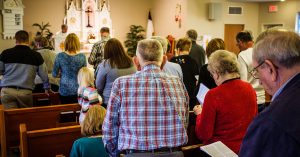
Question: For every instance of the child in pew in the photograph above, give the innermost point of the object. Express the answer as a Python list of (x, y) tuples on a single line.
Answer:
[(87, 94), (91, 145)]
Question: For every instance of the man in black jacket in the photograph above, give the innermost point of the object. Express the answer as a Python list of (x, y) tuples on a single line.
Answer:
[(197, 52)]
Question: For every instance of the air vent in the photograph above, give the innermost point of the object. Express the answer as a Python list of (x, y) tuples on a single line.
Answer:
[(235, 10)]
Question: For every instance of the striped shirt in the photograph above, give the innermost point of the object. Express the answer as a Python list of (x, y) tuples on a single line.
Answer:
[(87, 96), (146, 111)]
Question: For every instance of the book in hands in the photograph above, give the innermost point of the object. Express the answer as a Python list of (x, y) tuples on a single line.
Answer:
[(201, 93), (218, 149)]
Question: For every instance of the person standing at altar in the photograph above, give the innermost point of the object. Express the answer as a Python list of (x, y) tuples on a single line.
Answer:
[(97, 52), (60, 38)]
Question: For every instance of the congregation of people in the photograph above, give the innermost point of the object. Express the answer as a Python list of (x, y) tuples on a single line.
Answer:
[(139, 106)]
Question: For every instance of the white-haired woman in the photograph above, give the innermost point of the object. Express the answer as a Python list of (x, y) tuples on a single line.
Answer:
[(228, 108)]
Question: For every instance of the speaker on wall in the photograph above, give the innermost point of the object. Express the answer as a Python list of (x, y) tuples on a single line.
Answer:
[(211, 11), (214, 11)]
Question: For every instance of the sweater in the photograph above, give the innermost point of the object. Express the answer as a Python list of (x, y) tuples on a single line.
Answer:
[(227, 112), (88, 147)]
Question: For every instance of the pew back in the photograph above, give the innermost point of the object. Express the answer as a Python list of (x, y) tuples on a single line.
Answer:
[(35, 118), (48, 142), (43, 99)]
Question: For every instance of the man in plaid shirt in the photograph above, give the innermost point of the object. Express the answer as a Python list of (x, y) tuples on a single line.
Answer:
[(97, 53), (147, 113)]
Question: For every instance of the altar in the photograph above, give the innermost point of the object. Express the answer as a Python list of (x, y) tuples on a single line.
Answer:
[(85, 18)]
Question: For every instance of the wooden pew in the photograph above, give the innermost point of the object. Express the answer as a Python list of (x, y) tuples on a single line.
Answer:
[(48, 142), (42, 99), (35, 118)]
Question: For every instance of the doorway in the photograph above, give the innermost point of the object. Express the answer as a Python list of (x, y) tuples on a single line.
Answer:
[(230, 32)]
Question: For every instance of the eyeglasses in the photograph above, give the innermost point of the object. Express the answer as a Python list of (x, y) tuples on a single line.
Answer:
[(254, 71)]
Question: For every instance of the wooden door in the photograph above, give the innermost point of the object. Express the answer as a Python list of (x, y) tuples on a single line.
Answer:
[(230, 32)]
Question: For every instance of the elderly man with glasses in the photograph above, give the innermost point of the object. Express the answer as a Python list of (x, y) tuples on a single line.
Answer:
[(275, 132)]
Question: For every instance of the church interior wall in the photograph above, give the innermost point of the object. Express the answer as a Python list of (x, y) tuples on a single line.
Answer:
[(193, 14), (198, 17), (285, 15)]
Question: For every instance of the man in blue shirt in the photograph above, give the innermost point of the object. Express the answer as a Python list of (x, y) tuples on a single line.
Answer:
[(275, 132)]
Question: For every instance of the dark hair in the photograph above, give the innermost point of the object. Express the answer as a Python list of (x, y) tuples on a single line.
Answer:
[(244, 36), (64, 26), (116, 55), (192, 34), (22, 36), (214, 45), (104, 29), (184, 44)]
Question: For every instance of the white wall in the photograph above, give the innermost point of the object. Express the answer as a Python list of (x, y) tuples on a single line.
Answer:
[(286, 14), (164, 18), (198, 13)]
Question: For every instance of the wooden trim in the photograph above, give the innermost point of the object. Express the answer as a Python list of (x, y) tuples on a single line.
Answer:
[(23, 141), (62, 108), (2, 132), (52, 131), (37, 136), (191, 147), (5, 115)]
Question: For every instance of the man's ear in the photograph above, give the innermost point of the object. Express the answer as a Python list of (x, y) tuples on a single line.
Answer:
[(272, 70), (136, 63), (164, 60)]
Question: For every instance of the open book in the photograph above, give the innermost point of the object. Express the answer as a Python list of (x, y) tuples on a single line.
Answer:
[(218, 149), (201, 93)]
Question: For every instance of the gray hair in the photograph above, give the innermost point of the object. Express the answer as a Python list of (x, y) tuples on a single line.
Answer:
[(192, 34), (150, 50), (163, 42), (278, 45), (222, 62)]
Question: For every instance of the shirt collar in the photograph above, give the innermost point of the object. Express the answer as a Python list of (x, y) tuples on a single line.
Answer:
[(281, 88), (150, 67)]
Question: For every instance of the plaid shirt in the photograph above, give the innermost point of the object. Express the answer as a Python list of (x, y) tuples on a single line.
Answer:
[(97, 53), (146, 111)]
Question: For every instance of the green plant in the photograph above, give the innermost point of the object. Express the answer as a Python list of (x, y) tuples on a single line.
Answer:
[(44, 30), (136, 34)]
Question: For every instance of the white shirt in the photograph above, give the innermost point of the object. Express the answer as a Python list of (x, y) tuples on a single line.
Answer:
[(59, 41), (245, 60)]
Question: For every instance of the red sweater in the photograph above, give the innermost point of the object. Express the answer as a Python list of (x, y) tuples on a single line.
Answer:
[(227, 112)]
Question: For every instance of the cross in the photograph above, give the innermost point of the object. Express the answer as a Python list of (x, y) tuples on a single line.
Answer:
[(88, 12)]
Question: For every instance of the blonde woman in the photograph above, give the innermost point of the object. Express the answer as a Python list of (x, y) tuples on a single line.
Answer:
[(87, 94), (91, 144), (66, 66)]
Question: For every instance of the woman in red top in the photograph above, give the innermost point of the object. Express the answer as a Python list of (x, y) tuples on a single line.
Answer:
[(229, 108)]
